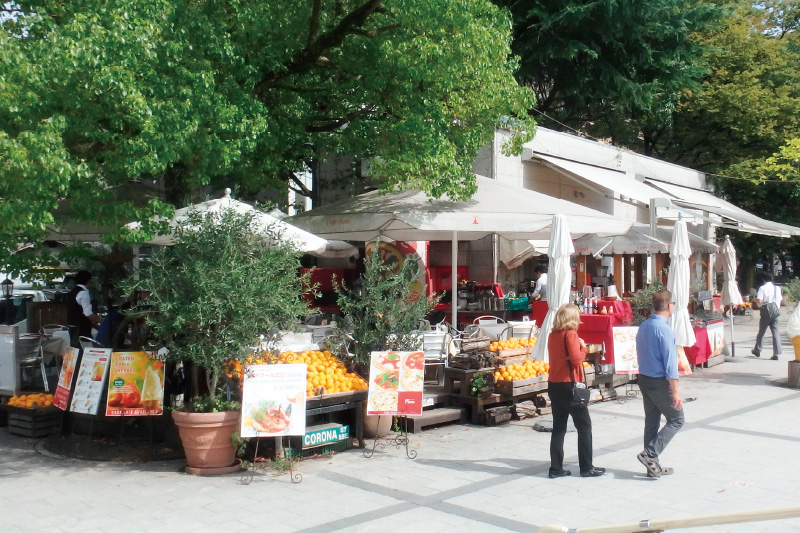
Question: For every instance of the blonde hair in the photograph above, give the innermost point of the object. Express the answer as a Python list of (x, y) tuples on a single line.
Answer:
[(568, 316)]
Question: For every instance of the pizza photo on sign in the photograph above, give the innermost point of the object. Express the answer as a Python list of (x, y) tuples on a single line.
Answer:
[(387, 361), (387, 380)]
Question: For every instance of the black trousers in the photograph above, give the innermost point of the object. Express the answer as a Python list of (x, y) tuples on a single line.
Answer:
[(560, 399)]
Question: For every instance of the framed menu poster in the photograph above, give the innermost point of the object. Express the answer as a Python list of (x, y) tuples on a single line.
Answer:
[(395, 383), (625, 359), (90, 380), (65, 379), (136, 385), (274, 400)]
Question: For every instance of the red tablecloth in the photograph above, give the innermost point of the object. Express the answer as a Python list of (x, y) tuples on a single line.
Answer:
[(701, 351), (596, 329), (538, 312), (623, 313)]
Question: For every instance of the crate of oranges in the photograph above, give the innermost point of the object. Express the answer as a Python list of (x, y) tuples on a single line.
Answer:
[(325, 375), (32, 415), (513, 346), (521, 378)]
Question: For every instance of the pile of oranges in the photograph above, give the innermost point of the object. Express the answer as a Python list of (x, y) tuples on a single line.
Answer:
[(325, 375), (31, 400), (512, 344), (528, 369)]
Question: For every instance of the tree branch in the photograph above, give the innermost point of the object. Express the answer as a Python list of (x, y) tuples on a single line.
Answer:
[(313, 27), (319, 46), (301, 187), (331, 124)]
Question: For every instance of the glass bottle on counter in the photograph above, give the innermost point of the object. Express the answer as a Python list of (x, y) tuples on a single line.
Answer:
[(594, 306)]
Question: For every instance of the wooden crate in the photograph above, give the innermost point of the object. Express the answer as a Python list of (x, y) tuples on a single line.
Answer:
[(33, 422), (517, 355), (520, 386), (494, 416)]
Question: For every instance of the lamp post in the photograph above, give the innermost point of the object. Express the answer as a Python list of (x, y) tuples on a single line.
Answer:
[(8, 290)]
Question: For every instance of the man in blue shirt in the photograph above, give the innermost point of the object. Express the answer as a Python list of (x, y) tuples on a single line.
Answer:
[(658, 382)]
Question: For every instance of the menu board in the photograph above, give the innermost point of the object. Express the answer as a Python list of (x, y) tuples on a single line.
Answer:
[(90, 380), (395, 383), (716, 337), (274, 400), (70, 360), (625, 360), (136, 385)]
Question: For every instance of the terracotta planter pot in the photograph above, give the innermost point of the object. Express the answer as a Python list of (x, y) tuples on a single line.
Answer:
[(376, 426), (206, 438)]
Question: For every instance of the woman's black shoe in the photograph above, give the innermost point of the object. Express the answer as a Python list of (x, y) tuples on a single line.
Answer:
[(594, 472), (559, 473)]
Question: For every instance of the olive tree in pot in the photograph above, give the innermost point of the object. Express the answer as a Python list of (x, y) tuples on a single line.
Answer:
[(382, 315), (222, 284)]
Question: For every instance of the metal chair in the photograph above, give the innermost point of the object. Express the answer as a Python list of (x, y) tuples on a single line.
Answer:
[(520, 331), (436, 346), (29, 353), (87, 342), (49, 329), (488, 319)]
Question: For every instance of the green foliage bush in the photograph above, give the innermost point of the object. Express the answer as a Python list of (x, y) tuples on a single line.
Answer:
[(383, 318), (217, 289)]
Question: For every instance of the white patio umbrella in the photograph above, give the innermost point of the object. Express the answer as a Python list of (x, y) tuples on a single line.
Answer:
[(269, 225), (678, 283), (511, 212), (730, 290), (559, 279), (639, 241)]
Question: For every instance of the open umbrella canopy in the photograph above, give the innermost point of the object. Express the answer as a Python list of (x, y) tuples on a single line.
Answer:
[(678, 283), (639, 241), (511, 212), (269, 225), (559, 279)]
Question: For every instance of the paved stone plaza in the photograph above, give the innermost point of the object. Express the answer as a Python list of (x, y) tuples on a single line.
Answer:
[(738, 451)]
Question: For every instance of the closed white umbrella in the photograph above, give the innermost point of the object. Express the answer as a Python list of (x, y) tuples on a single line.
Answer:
[(559, 279), (679, 283), (730, 290)]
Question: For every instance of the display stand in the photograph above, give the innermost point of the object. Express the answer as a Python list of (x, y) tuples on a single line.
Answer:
[(260, 467), (401, 439)]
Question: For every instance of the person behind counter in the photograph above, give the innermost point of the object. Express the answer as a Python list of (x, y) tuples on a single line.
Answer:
[(540, 289), (564, 343), (80, 316)]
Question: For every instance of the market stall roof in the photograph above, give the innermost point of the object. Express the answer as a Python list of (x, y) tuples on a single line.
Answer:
[(678, 197), (305, 241), (613, 180), (639, 241), (513, 213), (730, 215)]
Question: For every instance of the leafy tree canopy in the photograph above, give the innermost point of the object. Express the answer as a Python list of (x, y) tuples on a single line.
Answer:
[(95, 95), (599, 65)]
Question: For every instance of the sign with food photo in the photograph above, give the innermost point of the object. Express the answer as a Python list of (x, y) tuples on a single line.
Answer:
[(625, 360), (395, 383), (65, 379), (90, 381), (274, 400), (136, 385)]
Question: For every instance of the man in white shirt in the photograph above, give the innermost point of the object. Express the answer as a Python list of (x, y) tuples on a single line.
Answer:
[(768, 299), (540, 290), (80, 315)]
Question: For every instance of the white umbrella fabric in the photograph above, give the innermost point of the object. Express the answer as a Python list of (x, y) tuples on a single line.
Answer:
[(265, 223), (730, 290), (638, 241), (510, 212), (678, 283), (559, 280)]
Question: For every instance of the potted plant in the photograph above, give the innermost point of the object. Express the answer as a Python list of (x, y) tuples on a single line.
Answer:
[(220, 286), (381, 314)]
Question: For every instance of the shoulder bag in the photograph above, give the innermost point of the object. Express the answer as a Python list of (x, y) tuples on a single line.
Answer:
[(771, 309), (580, 393)]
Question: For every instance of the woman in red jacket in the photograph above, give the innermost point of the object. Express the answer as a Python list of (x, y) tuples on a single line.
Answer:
[(564, 340)]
